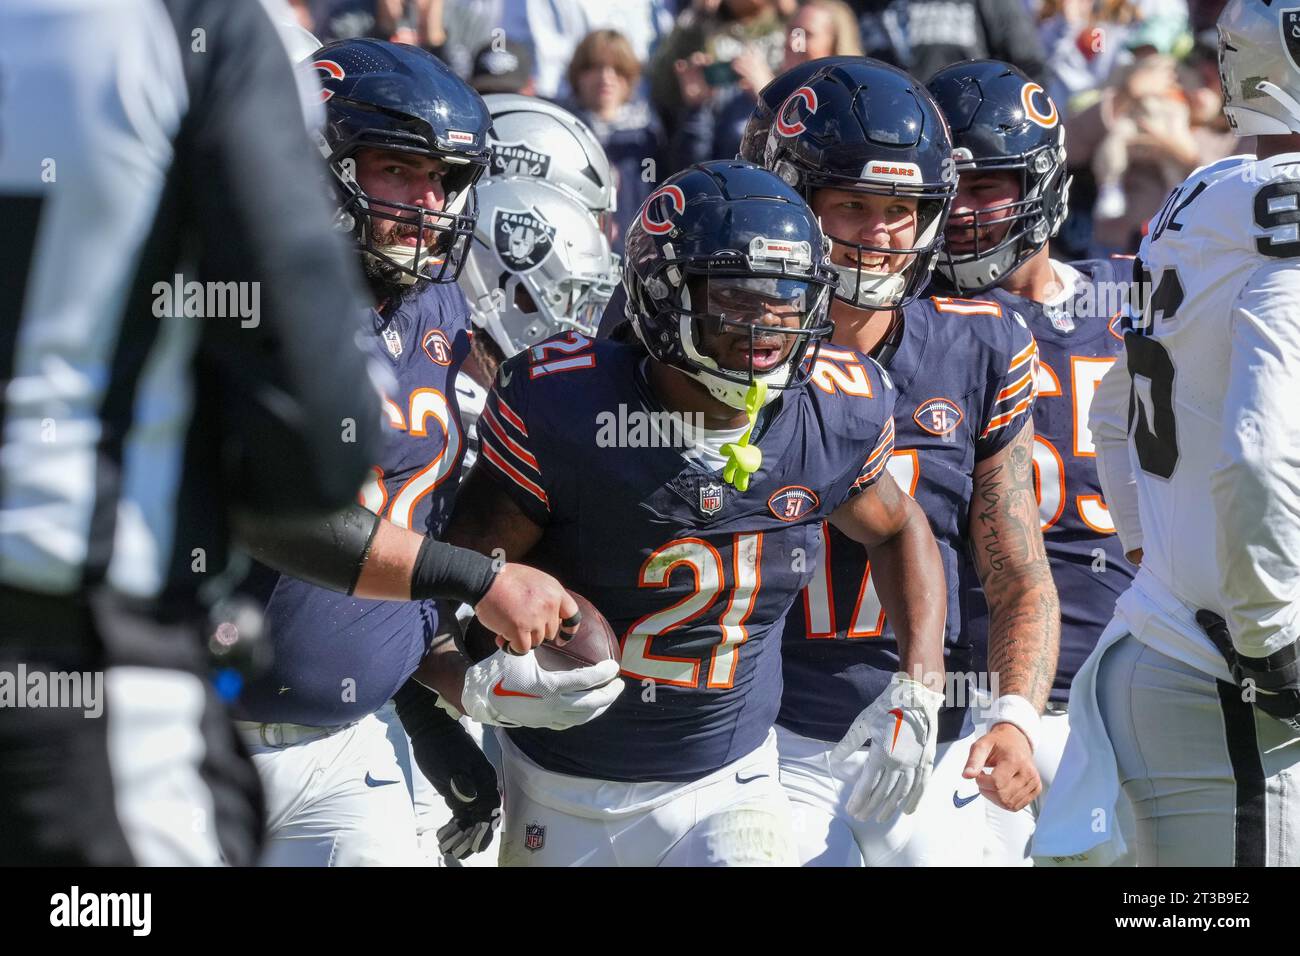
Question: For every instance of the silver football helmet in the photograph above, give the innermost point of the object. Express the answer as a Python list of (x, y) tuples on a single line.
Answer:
[(539, 264), (531, 137), (1259, 67)]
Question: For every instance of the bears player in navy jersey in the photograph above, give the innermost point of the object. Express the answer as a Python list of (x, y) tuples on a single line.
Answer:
[(1011, 199), (694, 532), (406, 140), (868, 148)]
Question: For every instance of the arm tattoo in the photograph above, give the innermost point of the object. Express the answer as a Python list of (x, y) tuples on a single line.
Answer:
[(1007, 545)]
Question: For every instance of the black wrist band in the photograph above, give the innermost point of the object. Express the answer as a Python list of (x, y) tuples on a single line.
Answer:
[(445, 571)]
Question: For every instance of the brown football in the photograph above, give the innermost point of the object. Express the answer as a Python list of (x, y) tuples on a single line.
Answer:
[(594, 642)]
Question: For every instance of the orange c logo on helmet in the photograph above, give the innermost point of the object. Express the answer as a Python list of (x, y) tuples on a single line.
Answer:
[(657, 227), (1046, 120), (810, 103), (327, 70)]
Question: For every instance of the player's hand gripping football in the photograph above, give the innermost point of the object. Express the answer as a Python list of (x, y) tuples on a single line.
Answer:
[(509, 690), (902, 725), (526, 607)]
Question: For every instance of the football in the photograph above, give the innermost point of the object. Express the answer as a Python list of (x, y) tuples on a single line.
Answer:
[(594, 642)]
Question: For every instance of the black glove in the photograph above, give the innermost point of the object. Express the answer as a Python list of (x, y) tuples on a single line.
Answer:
[(1274, 680), (456, 767)]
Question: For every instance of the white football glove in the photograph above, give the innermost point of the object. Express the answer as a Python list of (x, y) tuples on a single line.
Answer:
[(902, 725), (508, 690)]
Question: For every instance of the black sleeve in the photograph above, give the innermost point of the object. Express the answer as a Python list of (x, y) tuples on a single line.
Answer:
[(1012, 36), (300, 413)]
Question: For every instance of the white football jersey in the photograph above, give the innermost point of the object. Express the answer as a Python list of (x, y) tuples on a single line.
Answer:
[(1199, 459)]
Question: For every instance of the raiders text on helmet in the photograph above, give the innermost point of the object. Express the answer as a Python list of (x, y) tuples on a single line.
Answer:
[(857, 124), (1002, 120), (391, 96), (534, 138)]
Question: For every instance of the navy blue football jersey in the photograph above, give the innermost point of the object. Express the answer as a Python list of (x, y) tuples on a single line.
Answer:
[(1078, 341), (338, 658), (964, 371), (694, 576)]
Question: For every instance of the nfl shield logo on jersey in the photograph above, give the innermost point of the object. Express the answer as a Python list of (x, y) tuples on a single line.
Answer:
[(1291, 34), (534, 836), (710, 498), (523, 239), (393, 341)]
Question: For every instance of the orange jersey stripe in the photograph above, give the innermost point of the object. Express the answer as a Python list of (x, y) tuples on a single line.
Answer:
[(509, 415), (518, 450), (1005, 419), (490, 454)]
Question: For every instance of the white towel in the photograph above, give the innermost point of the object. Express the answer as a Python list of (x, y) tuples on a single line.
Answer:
[(1078, 825)]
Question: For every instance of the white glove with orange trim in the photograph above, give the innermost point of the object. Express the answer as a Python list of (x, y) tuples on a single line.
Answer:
[(902, 725), (508, 690)]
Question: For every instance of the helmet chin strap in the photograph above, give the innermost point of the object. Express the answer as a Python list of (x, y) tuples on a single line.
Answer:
[(870, 290), (978, 273), (405, 256), (743, 459)]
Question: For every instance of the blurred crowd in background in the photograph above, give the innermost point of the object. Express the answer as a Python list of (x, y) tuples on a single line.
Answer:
[(666, 83)]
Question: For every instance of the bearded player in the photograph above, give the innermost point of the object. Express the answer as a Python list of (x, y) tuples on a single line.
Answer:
[(868, 148), (693, 544)]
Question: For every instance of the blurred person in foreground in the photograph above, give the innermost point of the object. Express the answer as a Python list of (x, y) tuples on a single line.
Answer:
[(135, 430)]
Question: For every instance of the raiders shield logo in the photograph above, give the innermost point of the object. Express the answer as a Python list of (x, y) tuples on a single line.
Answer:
[(534, 836), (523, 239), (516, 159), (1291, 34), (710, 498)]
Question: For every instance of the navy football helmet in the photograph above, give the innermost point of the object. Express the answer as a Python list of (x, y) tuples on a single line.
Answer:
[(726, 247), (1002, 120), (396, 97), (858, 124), (773, 95)]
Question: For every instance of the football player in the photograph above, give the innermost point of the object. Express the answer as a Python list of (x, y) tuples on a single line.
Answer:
[(538, 265), (1193, 692), (406, 140), (694, 528), (1011, 199), (868, 148)]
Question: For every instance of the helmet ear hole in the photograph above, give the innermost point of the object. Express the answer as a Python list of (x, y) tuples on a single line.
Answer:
[(524, 300)]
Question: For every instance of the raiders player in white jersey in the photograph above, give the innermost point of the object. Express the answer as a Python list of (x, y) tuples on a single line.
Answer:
[(1192, 692)]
